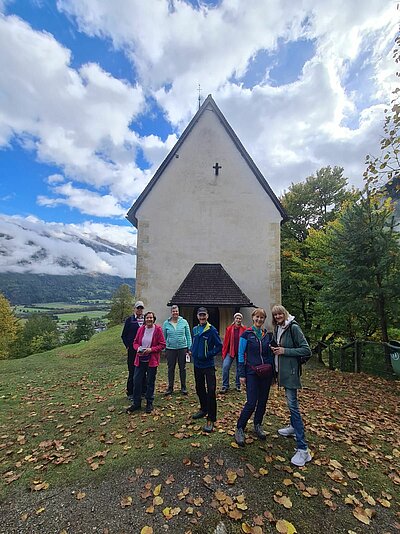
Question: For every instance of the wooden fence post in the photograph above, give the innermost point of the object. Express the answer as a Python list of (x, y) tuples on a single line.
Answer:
[(357, 356)]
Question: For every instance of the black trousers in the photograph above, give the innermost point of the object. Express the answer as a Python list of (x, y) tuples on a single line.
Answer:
[(142, 372), (206, 385), (175, 356), (131, 372)]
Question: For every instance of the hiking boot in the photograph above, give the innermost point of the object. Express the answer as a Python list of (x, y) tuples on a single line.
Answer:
[(223, 390), (209, 426), (239, 437), (130, 398), (301, 457), (168, 392), (149, 407), (199, 415), (237, 388), (287, 431), (258, 429), (184, 391), (133, 408)]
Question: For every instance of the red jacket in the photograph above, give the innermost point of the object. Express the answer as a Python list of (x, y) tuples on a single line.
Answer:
[(157, 345), (228, 347)]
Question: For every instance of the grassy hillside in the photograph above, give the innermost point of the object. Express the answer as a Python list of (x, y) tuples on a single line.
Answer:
[(68, 448)]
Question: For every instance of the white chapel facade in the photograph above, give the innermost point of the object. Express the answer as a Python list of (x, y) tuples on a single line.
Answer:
[(208, 228)]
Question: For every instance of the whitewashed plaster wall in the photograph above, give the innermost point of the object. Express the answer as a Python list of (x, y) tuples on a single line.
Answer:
[(193, 216)]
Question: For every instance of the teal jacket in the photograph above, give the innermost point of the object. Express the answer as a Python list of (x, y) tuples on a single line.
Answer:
[(205, 346), (288, 364), (179, 337)]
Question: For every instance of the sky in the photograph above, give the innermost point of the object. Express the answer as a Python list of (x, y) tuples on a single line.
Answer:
[(95, 93)]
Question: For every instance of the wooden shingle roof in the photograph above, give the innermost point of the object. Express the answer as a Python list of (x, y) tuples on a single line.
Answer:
[(208, 284)]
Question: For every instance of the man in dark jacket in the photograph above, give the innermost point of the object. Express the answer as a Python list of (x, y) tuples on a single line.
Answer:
[(206, 345), (128, 335)]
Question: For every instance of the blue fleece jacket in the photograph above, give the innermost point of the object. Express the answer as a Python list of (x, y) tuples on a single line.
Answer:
[(206, 345), (254, 350)]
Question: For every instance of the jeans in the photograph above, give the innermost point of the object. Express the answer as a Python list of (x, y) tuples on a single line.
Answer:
[(173, 356), (295, 418), (141, 372), (226, 365), (207, 397), (257, 392)]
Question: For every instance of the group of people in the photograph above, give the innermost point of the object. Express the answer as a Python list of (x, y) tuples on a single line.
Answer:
[(260, 360)]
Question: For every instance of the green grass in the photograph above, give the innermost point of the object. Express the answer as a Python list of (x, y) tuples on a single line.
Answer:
[(58, 409)]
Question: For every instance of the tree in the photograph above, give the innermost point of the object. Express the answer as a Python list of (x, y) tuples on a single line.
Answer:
[(39, 334), (311, 205), (385, 168), (364, 270), (82, 331), (121, 305), (8, 327), (314, 202)]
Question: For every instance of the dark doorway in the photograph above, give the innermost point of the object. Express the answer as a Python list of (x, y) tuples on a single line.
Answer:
[(213, 316)]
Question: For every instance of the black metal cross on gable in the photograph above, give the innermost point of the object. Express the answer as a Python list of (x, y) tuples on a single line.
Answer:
[(216, 167)]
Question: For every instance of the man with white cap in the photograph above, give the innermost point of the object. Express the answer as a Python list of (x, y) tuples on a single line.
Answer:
[(230, 350), (128, 335)]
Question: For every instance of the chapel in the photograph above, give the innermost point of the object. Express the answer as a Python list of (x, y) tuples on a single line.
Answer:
[(208, 228)]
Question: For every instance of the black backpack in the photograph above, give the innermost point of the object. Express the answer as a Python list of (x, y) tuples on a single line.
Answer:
[(302, 359)]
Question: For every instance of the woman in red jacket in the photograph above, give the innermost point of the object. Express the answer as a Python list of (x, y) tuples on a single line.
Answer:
[(230, 351), (149, 342)]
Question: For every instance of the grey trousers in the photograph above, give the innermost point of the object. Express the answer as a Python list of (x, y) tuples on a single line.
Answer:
[(174, 356)]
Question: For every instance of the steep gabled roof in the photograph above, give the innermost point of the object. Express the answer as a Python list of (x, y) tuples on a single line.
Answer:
[(208, 284), (208, 102)]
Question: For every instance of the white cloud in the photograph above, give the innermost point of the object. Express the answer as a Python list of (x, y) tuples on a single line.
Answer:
[(32, 245), (76, 119), (291, 130)]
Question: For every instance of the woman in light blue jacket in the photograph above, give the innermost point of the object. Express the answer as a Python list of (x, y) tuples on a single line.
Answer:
[(177, 336)]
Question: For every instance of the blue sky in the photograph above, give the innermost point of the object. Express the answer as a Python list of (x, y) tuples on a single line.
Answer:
[(94, 94)]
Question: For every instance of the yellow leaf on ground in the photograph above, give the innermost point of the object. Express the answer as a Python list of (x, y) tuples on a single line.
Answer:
[(208, 479), (284, 501), (288, 482), (263, 471), (80, 495), (157, 501), (40, 511), (383, 502), (150, 509), (362, 516), (284, 527), (155, 473), (246, 528), (146, 530), (157, 490), (126, 501)]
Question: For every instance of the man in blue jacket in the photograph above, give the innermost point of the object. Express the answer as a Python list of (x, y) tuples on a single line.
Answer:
[(206, 345)]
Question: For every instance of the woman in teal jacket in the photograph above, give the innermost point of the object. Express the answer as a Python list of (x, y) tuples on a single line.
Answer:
[(177, 336), (290, 347)]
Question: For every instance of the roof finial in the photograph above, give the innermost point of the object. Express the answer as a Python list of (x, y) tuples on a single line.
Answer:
[(199, 97)]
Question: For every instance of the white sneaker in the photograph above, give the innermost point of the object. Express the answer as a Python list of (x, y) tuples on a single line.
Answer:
[(287, 431), (301, 457)]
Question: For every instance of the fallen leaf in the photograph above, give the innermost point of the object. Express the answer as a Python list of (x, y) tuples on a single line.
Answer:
[(284, 527), (126, 501), (362, 516), (284, 501), (157, 490), (155, 473), (80, 495), (146, 530)]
